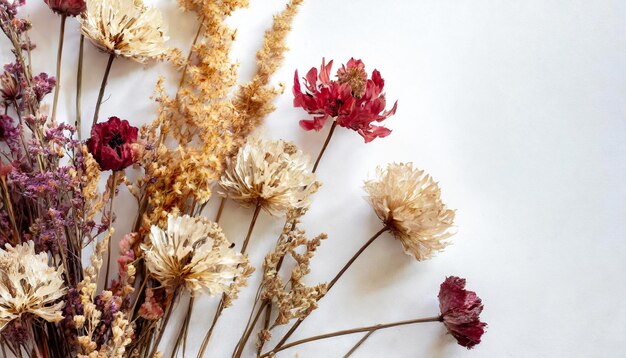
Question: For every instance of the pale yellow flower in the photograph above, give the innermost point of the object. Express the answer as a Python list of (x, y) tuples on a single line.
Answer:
[(125, 28), (192, 253), (408, 201), (28, 285), (273, 173)]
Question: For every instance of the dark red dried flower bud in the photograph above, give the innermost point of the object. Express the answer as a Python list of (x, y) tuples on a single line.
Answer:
[(460, 312), (112, 144), (10, 87), (67, 7)]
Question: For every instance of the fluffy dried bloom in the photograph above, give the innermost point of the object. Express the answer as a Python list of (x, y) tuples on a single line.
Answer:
[(354, 101), (272, 173), (67, 7), (193, 253), (408, 201), (28, 285), (125, 28), (460, 312)]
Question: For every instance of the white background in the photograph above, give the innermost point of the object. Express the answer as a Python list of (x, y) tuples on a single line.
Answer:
[(516, 107)]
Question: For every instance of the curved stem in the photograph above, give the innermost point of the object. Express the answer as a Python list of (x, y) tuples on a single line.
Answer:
[(354, 330), (332, 283), (79, 85), (255, 216), (102, 87), (58, 74), (166, 319), (330, 135), (113, 186)]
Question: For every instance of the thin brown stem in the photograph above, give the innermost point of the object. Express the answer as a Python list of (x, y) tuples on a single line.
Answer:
[(255, 216), (58, 74), (166, 318), (220, 210), (319, 156), (112, 189), (220, 307), (332, 283), (79, 86), (358, 344), (182, 335), (103, 85), (248, 332), (354, 330)]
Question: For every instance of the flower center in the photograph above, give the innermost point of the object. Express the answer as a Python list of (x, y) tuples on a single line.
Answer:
[(116, 142), (356, 78)]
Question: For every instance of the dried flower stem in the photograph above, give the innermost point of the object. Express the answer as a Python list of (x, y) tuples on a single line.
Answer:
[(182, 335), (358, 344), (112, 188), (79, 85), (352, 331), (218, 216), (220, 306), (332, 283), (330, 135), (166, 318), (102, 87), (57, 90)]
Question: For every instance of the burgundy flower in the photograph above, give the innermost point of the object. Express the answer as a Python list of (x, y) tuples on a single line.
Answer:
[(67, 7), (460, 312), (353, 100), (112, 144)]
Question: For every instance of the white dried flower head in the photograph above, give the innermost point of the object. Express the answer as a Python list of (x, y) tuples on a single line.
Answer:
[(28, 285), (408, 201), (192, 253), (273, 173), (125, 28)]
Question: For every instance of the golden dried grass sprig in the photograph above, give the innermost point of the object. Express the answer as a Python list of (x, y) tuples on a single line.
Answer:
[(126, 28), (274, 174), (28, 285), (408, 201), (192, 253)]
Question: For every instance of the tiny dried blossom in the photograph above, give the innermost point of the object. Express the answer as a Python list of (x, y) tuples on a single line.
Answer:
[(272, 173), (10, 87), (192, 253), (10, 133), (67, 7), (42, 85), (460, 312), (353, 100), (408, 201), (112, 144), (151, 309), (125, 28), (28, 285)]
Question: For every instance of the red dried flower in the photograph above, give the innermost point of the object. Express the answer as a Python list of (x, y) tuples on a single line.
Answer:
[(112, 144), (353, 100), (67, 7), (460, 312)]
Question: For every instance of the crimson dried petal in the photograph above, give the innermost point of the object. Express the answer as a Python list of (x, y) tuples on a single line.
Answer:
[(353, 100), (460, 312), (67, 7), (112, 144)]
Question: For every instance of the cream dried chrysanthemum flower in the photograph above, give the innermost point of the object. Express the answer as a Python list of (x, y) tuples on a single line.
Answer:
[(192, 253), (28, 285), (274, 174), (408, 201), (125, 28)]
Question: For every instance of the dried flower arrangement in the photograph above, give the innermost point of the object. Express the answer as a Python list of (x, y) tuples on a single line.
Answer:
[(53, 210)]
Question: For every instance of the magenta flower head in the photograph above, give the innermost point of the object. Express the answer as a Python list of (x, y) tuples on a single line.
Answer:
[(67, 7), (353, 100), (460, 312), (113, 144)]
